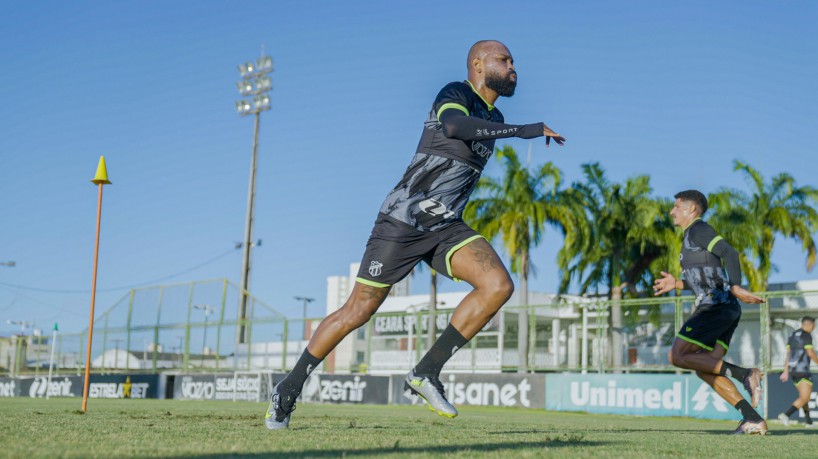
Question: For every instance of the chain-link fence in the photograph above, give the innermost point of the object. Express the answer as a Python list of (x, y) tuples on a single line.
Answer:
[(195, 327), (578, 335)]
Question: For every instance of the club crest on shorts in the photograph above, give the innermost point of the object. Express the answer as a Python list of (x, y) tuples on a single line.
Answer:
[(375, 268)]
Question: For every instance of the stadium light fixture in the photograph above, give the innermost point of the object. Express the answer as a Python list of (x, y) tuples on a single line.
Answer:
[(10, 264), (264, 83), (23, 325), (261, 102), (245, 87), (255, 82), (265, 63)]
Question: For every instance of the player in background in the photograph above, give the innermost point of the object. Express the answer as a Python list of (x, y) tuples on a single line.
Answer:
[(421, 220), (703, 340), (796, 367)]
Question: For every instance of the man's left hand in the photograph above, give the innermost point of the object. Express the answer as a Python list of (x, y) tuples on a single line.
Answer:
[(744, 296), (548, 133)]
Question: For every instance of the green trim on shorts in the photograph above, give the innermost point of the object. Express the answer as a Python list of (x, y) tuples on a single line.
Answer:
[(371, 283), (723, 344), (803, 380), (693, 341), (713, 243), (455, 249), (451, 105)]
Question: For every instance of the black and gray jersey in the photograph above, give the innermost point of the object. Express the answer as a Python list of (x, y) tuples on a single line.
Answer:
[(702, 269), (798, 344), (446, 167)]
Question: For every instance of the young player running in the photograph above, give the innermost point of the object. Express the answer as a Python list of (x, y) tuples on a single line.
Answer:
[(703, 340)]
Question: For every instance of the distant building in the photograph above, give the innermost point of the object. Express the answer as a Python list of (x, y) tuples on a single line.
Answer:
[(392, 349)]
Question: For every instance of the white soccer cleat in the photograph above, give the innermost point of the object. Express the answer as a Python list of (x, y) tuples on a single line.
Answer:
[(430, 389), (276, 418)]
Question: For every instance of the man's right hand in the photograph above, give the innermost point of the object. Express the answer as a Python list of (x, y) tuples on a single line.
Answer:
[(548, 133), (784, 376), (664, 285)]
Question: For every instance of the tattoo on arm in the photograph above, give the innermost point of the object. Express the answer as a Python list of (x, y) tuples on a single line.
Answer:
[(484, 255)]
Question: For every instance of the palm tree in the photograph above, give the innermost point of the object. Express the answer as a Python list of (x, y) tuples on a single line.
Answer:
[(516, 208), (751, 221), (629, 236)]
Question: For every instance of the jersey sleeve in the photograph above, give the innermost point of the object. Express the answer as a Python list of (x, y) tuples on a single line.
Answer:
[(806, 338), (454, 96)]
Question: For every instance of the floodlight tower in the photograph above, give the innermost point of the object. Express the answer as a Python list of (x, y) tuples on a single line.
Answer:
[(255, 83)]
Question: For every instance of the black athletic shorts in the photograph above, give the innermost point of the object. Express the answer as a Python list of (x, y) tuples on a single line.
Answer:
[(394, 248), (710, 325), (797, 378)]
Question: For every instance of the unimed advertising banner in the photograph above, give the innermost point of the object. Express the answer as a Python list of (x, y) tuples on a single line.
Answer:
[(508, 389), (637, 394), (101, 386)]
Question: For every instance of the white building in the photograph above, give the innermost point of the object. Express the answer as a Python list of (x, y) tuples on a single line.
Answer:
[(394, 345)]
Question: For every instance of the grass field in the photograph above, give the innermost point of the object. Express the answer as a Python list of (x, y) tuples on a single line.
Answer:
[(32, 428)]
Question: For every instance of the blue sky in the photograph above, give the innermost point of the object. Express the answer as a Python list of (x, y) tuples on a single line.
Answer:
[(674, 90)]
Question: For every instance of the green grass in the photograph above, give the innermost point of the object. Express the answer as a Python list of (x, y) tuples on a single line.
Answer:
[(32, 428)]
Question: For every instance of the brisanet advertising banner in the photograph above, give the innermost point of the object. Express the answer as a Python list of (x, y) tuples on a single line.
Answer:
[(637, 394), (9, 387), (505, 389), (781, 395), (101, 386)]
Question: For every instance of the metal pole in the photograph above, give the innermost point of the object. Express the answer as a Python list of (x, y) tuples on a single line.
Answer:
[(584, 339), (248, 236), (431, 335), (93, 302), (204, 338), (305, 301)]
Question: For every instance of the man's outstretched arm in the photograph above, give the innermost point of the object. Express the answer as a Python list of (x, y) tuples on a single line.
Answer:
[(729, 257), (457, 125)]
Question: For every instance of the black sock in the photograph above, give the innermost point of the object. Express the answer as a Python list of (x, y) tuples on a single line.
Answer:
[(290, 387), (792, 409), (807, 419), (444, 348), (747, 411), (734, 371)]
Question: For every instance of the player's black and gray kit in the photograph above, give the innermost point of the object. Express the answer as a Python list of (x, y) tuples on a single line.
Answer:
[(717, 311), (799, 362), (421, 218)]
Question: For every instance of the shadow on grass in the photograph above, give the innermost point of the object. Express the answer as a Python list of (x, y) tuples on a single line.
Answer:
[(510, 448)]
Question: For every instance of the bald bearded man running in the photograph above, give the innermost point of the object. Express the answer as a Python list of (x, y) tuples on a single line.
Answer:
[(421, 220)]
